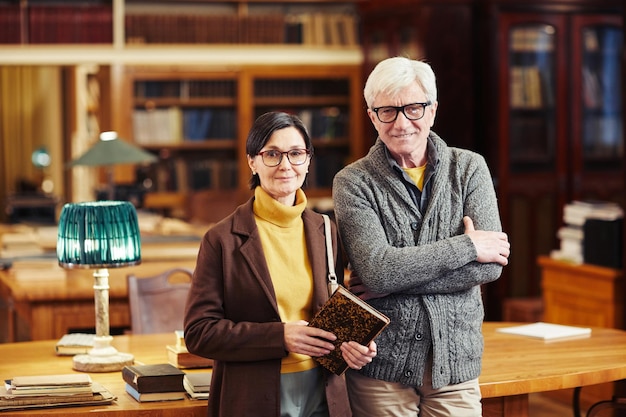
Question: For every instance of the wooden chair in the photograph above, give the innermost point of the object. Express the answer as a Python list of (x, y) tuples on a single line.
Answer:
[(157, 303)]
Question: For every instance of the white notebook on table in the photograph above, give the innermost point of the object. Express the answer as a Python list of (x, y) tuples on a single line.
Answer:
[(547, 331)]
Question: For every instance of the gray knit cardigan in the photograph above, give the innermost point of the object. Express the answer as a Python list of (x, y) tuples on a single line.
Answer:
[(423, 260)]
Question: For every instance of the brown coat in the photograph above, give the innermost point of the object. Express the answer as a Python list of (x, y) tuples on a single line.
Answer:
[(232, 316)]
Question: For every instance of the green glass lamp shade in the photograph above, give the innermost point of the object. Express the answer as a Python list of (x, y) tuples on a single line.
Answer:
[(111, 150), (100, 234)]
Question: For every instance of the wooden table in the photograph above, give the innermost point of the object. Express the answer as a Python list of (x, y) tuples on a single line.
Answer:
[(513, 367), (47, 309), (38, 358)]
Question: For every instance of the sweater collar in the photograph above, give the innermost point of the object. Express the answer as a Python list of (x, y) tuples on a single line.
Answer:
[(270, 210)]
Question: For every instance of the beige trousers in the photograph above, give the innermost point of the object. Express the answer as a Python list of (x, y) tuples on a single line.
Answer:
[(371, 397)]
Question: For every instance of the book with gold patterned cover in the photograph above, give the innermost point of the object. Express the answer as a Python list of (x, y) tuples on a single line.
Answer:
[(349, 318)]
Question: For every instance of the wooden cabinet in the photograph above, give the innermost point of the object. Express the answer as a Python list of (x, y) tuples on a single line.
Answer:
[(196, 119), (556, 109), (583, 295)]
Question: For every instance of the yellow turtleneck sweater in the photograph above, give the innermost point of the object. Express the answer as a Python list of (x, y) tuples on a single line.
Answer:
[(282, 236)]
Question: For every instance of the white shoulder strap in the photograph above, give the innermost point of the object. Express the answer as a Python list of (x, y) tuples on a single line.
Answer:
[(332, 277)]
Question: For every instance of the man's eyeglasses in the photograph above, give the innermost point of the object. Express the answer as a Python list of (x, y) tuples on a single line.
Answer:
[(413, 111), (273, 157)]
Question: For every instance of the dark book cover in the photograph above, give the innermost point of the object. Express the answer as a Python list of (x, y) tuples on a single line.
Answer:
[(162, 377), (349, 318), (602, 244)]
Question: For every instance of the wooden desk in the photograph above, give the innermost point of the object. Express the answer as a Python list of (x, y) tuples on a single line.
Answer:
[(38, 358), (516, 366), (49, 309), (513, 367)]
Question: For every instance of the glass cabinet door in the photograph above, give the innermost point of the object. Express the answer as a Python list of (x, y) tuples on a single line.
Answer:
[(532, 74), (599, 110)]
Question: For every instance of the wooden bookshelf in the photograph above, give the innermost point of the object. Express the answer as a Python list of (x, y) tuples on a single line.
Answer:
[(211, 110)]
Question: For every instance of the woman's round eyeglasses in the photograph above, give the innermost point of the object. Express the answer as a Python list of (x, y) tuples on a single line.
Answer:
[(273, 157), (413, 111)]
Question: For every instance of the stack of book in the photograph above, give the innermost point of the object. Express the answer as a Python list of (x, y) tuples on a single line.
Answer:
[(179, 356), (592, 233), (197, 385), (51, 390), (158, 382)]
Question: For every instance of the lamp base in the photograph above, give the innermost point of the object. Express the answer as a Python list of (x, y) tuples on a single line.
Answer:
[(102, 358)]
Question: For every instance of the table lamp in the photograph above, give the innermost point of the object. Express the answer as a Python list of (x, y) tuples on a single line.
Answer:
[(99, 235), (110, 150)]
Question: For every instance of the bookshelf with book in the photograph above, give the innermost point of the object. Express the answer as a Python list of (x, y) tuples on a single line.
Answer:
[(141, 22), (203, 114)]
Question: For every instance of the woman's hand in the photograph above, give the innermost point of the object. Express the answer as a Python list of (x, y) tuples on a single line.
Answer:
[(300, 338), (356, 355)]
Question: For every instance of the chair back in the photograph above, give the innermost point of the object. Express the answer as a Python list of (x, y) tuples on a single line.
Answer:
[(157, 304)]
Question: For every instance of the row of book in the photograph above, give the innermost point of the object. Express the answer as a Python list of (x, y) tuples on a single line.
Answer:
[(592, 234), (601, 86), (44, 24), (322, 123), (532, 39), (226, 88), (173, 125), (323, 168), (185, 89), (602, 135), (530, 87), (302, 87), (181, 28), (93, 23), (337, 29), (183, 175)]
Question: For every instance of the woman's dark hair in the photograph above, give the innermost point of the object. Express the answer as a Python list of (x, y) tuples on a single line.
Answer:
[(263, 128)]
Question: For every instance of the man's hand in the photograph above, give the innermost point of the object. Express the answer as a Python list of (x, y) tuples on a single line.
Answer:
[(490, 246)]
